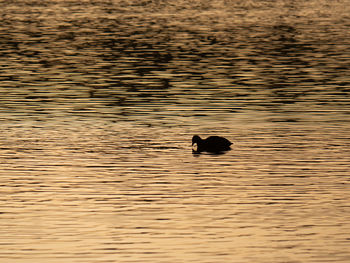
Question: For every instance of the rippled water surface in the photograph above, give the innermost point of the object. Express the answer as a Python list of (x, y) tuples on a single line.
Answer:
[(99, 101)]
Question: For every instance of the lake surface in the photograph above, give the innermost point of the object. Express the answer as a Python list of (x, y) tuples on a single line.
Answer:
[(99, 101)]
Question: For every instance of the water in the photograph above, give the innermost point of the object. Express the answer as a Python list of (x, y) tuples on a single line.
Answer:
[(98, 104)]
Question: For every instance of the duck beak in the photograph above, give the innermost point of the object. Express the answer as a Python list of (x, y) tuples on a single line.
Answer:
[(194, 147)]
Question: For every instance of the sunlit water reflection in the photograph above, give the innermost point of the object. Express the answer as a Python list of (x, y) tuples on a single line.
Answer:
[(99, 102)]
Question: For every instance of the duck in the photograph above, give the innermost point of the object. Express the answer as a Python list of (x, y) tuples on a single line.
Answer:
[(213, 144)]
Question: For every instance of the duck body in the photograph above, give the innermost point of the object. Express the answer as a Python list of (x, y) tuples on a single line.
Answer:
[(214, 144)]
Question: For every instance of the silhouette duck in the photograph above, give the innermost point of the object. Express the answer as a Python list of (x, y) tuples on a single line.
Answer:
[(214, 144)]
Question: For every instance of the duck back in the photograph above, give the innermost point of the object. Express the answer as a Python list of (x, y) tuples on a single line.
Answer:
[(214, 144)]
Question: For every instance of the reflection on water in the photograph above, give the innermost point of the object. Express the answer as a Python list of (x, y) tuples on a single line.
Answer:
[(99, 102)]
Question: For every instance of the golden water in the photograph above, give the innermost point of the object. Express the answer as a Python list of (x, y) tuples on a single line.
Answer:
[(99, 102)]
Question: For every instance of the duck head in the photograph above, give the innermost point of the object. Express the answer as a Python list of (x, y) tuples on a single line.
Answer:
[(196, 139)]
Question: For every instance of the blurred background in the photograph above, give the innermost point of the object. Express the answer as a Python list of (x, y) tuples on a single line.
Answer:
[(99, 101)]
